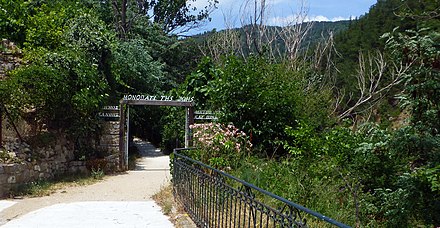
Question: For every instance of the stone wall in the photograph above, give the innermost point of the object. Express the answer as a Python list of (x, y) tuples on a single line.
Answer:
[(109, 142), (20, 164), (10, 57)]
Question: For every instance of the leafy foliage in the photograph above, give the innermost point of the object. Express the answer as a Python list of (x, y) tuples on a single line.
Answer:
[(259, 97), (422, 84), (363, 36), (76, 61)]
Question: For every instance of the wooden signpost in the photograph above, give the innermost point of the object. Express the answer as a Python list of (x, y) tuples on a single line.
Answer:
[(124, 116)]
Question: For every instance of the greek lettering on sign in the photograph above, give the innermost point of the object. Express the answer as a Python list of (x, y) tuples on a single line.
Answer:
[(104, 114), (111, 108), (156, 98), (205, 115)]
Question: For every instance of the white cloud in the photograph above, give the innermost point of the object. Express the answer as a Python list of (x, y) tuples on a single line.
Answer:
[(281, 21), (294, 18), (341, 18), (318, 18)]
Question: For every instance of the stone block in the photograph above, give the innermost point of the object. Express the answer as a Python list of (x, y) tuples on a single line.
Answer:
[(58, 148), (26, 177), (10, 168), (3, 178), (12, 180), (43, 166), (32, 174)]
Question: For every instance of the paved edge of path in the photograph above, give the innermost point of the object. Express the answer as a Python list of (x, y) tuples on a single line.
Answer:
[(5, 204), (95, 214)]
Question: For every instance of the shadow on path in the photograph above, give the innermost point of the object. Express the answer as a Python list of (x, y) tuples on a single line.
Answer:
[(152, 159)]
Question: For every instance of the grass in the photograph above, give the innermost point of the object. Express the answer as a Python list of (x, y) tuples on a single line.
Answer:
[(170, 207), (165, 199), (48, 187)]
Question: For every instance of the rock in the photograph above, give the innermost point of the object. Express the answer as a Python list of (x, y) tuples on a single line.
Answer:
[(37, 168), (12, 180), (58, 149), (43, 167), (3, 179), (26, 175), (9, 168), (12, 154), (62, 159)]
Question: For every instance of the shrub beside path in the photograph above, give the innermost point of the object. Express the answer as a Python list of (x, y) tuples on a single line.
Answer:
[(122, 200)]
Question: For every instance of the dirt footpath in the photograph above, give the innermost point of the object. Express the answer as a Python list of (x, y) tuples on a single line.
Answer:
[(151, 173)]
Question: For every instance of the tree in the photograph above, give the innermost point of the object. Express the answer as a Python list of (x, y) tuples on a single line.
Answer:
[(13, 20), (422, 81), (375, 78), (172, 15)]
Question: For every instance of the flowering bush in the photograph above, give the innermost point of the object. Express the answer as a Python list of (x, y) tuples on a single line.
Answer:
[(219, 145)]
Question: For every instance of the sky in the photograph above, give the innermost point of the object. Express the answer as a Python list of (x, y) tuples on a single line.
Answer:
[(283, 12)]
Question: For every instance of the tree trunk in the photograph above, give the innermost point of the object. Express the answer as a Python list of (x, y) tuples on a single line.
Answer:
[(124, 18)]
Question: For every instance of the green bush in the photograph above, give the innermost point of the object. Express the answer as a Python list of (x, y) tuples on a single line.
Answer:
[(259, 97)]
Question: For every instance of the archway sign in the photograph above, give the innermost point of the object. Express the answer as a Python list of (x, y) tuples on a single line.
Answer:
[(127, 100)]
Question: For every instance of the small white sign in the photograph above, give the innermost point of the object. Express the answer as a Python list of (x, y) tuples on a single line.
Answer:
[(113, 108), (106, 114)]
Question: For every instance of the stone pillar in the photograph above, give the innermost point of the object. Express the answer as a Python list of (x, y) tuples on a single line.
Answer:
[(121, 136)]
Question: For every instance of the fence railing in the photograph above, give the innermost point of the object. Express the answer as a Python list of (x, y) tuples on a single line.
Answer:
[(214, 198)]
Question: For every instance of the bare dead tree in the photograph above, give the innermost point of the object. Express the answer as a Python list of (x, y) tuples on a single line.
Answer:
[(321, 63), (371, 83), (323, 53), (220, 44), (223, 43), (294, 32), (253, 19), (279, 43)]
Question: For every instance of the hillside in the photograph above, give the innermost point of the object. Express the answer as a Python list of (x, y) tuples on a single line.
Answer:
[(365, 33), (317, 32)]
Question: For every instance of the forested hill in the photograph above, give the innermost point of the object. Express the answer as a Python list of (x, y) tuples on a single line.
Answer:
[(322, 28), (318, 31), (385, 16)]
